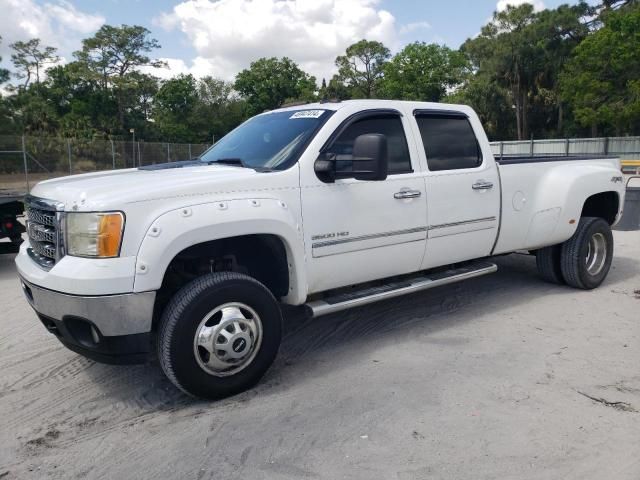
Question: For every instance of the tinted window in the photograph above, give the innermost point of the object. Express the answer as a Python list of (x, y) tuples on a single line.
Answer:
[(391, 126), (449, 142)]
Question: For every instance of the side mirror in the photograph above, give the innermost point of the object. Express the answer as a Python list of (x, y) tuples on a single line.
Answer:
[(370, 160)]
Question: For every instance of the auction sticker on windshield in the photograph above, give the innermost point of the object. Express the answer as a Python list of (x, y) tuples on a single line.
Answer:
[(307, 114)]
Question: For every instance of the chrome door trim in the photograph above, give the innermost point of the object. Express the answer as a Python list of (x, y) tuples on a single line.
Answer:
[(371, 236), (465, 222), (330, 243)]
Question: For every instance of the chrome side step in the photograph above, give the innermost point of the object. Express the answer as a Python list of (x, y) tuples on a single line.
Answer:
[(374, 294)]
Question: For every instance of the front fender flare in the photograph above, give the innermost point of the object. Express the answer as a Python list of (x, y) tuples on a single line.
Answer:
[(178, 229)]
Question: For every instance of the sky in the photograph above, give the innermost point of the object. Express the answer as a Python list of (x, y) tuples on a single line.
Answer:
[(222, 37)]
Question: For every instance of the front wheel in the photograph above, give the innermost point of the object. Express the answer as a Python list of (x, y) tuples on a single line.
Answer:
[(586, 257), (219, 335)]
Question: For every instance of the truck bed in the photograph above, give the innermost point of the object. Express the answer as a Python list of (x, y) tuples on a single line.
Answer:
[(518, 159), (542, 197)]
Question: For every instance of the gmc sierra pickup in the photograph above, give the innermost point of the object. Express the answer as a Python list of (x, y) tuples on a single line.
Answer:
[(328, 205)]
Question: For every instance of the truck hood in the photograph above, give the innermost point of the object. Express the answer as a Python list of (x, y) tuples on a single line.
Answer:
[(114, 189)]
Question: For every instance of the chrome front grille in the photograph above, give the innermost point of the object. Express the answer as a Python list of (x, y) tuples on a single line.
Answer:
[(44, 230), (42, 233), (45, 249), (42, 217)]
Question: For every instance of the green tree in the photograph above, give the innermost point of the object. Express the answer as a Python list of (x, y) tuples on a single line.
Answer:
[(190, 110), (518, 57), (4, 73), (32, 113), (424, 72), (361, 67), (336, 90), (602, 79), (173, 107), (219, 108), (269, 82), (30, 58), (112, 56), (505, 49), (84, 108), (492, 103), (6, 124), (558, 32)]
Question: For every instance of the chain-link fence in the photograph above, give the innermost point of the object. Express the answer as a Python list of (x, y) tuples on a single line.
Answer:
[(627, 148), (26, 160)]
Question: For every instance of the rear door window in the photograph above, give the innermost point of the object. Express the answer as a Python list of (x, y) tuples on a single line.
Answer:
[(449, 142)]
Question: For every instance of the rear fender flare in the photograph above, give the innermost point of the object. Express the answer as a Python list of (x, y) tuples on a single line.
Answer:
[(564, 189)]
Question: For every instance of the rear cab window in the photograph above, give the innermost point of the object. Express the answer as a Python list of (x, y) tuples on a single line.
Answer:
[(449, 141)]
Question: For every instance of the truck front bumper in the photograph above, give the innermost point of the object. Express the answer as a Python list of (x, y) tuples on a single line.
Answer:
[(105, 328)]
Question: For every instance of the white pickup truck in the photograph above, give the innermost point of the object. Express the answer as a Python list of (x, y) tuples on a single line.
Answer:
[(328, 205)]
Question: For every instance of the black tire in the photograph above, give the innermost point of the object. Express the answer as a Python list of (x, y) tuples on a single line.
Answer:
[(576, 250), (548, 263), (183, 316)]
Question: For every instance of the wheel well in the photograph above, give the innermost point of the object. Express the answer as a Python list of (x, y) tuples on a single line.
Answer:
[(604, 205), (262, 257)]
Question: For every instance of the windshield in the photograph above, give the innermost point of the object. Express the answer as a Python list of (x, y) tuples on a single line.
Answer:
[(272, 141)]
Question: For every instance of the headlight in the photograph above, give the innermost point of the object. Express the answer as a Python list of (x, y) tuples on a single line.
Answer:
[(94, 234)]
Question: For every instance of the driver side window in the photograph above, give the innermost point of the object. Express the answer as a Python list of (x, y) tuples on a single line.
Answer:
[(388, 125)]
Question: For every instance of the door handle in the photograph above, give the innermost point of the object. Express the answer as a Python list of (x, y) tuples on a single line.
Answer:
[(407, 194), (482, 185)]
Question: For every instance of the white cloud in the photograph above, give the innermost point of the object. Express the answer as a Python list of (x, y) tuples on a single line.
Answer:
[(199, 67), (537, 4), (70, 17), (58, 24), (412, 27), (228, 34)]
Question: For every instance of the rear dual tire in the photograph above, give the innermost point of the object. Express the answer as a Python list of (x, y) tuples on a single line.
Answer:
[(584, 260), (548, 263), (586, 257)]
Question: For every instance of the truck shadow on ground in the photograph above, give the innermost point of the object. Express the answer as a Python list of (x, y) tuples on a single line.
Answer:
[(309, 344)]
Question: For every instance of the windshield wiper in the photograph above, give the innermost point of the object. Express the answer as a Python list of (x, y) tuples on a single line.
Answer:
[(238, 162), (229, 161)]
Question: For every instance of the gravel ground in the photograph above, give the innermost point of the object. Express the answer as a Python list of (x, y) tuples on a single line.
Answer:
[(500, 377)]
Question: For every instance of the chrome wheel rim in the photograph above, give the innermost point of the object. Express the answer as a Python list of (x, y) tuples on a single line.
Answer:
[(227, 339), (596, 254)]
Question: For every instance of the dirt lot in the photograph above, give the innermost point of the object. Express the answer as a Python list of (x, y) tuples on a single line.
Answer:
[(499, 377)]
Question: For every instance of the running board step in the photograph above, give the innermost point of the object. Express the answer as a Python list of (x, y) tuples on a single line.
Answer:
[(374, 294)]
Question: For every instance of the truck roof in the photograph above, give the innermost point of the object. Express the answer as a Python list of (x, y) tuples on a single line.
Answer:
[(374, 103)]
